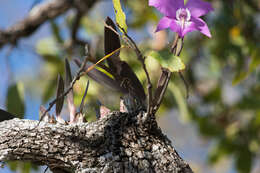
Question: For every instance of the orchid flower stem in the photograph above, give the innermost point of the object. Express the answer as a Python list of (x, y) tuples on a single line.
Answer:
[(174, 45), (166, 74), (180, 73), (174, 50)]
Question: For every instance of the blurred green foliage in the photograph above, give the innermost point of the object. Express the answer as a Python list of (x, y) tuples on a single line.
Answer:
[(223, 72), (15, 100), (24, 167)]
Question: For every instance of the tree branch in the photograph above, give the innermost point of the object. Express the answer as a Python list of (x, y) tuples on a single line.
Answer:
[(119, 142), (38, 15)]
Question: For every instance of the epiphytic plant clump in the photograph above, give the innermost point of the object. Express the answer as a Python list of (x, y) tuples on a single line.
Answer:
[(179, 17)]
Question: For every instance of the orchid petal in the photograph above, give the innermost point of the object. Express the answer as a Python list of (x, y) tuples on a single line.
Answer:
[(198, 7), (167, 7), (201, 26), (190, 26), (195, 24), (176, 27), (164, 23)]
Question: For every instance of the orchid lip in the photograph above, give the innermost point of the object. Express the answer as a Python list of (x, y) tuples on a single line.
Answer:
[(183, 17), (183, 14)]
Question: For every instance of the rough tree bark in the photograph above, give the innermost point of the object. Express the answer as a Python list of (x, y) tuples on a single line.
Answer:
[(120, 142)]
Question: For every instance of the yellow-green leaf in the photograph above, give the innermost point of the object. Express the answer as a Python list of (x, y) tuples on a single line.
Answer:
[(168, 60), (47, 46), (120, 15), (242, 75)]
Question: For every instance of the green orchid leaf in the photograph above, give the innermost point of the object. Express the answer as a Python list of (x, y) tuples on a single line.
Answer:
[(168, 60), (120, 15)]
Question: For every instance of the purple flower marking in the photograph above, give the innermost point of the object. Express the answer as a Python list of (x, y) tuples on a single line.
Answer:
[(182, 18)]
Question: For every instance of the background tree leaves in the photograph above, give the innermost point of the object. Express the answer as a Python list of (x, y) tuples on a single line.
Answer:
[(15, 100)]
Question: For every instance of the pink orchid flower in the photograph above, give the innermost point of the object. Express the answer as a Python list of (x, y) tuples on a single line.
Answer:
[(182, 18)]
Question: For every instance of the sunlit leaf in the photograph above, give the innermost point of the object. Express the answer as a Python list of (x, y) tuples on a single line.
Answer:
[(23, 167), (13, 165), (120, 15), (255, 61), (239, 77), (91, 26), (242, 75), (168, 60), (26, 167), (15, 100), (47, 46)]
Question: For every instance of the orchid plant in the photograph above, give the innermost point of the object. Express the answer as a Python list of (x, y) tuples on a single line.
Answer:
[(179, 17)]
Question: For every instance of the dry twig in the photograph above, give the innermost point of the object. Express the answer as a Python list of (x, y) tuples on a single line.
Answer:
[(38, 16)]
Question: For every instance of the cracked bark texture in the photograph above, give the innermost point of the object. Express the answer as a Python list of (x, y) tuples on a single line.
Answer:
[(119, 142), (40, 14)]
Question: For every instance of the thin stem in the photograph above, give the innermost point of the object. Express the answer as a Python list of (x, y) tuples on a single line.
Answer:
[(166, 76), (185, 83), (180, 73)]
